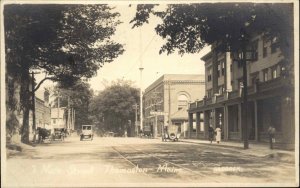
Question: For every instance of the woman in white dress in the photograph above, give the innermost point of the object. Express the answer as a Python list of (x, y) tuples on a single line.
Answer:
[(218, 136)]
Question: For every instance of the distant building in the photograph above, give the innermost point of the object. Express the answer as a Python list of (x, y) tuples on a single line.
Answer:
[(269, 95), (58, 118), (168, 97)]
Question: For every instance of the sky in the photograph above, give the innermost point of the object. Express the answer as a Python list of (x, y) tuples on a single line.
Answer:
[(142, 50)]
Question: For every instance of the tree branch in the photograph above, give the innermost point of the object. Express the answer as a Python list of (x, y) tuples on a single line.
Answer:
[(42, 81)]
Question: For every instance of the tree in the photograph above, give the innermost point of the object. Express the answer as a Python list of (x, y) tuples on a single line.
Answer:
[(227, 26), (66, 42), (77, 97), (113, 107), (189, 27)]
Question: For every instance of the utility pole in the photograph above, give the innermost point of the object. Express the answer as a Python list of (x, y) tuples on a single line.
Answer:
[(141, 83), (33, 107), (135, 107), (169, 90), (69, 114), (141, 101), (58, 122), (245, 91)]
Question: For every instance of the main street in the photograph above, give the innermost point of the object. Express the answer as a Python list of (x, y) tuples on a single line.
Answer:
[(121, 161)]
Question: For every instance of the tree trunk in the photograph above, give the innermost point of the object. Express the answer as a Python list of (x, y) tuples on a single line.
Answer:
[(25, 100)]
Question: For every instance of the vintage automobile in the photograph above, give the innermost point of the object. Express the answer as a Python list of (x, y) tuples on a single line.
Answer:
[(59, 134), (86, 132), (171, 133)]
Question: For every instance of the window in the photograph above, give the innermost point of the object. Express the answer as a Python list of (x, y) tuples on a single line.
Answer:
[(230, 67), (240, 64), (209, 93), (274, 45), (240, 81), (274, 72), (254, 78), (223, 68), (182, 101), (254, 48), (209, 75), (219, 69), (221, 89), (265, 74), (265, 48), (54, 121)]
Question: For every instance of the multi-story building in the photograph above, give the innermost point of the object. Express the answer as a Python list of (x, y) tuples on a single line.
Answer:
[(58, 118), (269, 95), (168, 97)]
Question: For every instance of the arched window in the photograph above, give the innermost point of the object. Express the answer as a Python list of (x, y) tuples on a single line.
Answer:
[(182, 101)]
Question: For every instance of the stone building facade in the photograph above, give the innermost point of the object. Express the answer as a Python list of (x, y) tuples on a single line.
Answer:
[(270, 95), (169, 96)]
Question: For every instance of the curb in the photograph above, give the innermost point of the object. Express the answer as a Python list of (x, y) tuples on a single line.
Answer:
[(272, 154)]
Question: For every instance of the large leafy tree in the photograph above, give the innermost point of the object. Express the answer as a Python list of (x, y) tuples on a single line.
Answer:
[(113, 107), (189, 27), (77, 97), (66, 42)]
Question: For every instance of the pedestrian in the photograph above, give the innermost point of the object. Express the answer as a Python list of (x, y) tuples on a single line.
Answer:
[(218, 136), (211, 133), (271, 133)]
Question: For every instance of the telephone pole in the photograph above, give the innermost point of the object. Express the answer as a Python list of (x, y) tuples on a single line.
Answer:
[(135, 107), (141, 100)]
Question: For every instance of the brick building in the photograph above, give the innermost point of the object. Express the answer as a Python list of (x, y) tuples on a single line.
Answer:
[(170, 95), (269, 95)]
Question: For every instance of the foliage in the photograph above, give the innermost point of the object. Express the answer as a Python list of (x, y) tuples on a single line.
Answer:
[(189, 27), (67, 42), (113, 107), (79, 96)]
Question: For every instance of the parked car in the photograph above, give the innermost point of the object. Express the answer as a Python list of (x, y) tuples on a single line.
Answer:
[(86, 132)]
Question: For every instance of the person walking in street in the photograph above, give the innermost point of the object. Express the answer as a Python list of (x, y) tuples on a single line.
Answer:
[(211, 133), (218, 136), (271, 133)]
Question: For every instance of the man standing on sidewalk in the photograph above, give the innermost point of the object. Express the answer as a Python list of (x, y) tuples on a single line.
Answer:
[(271, 133), (211, 133)]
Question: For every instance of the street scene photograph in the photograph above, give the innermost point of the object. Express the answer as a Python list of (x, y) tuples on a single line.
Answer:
[(149, 93)]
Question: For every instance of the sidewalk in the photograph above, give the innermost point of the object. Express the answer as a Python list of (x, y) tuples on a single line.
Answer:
[(255, 149)]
